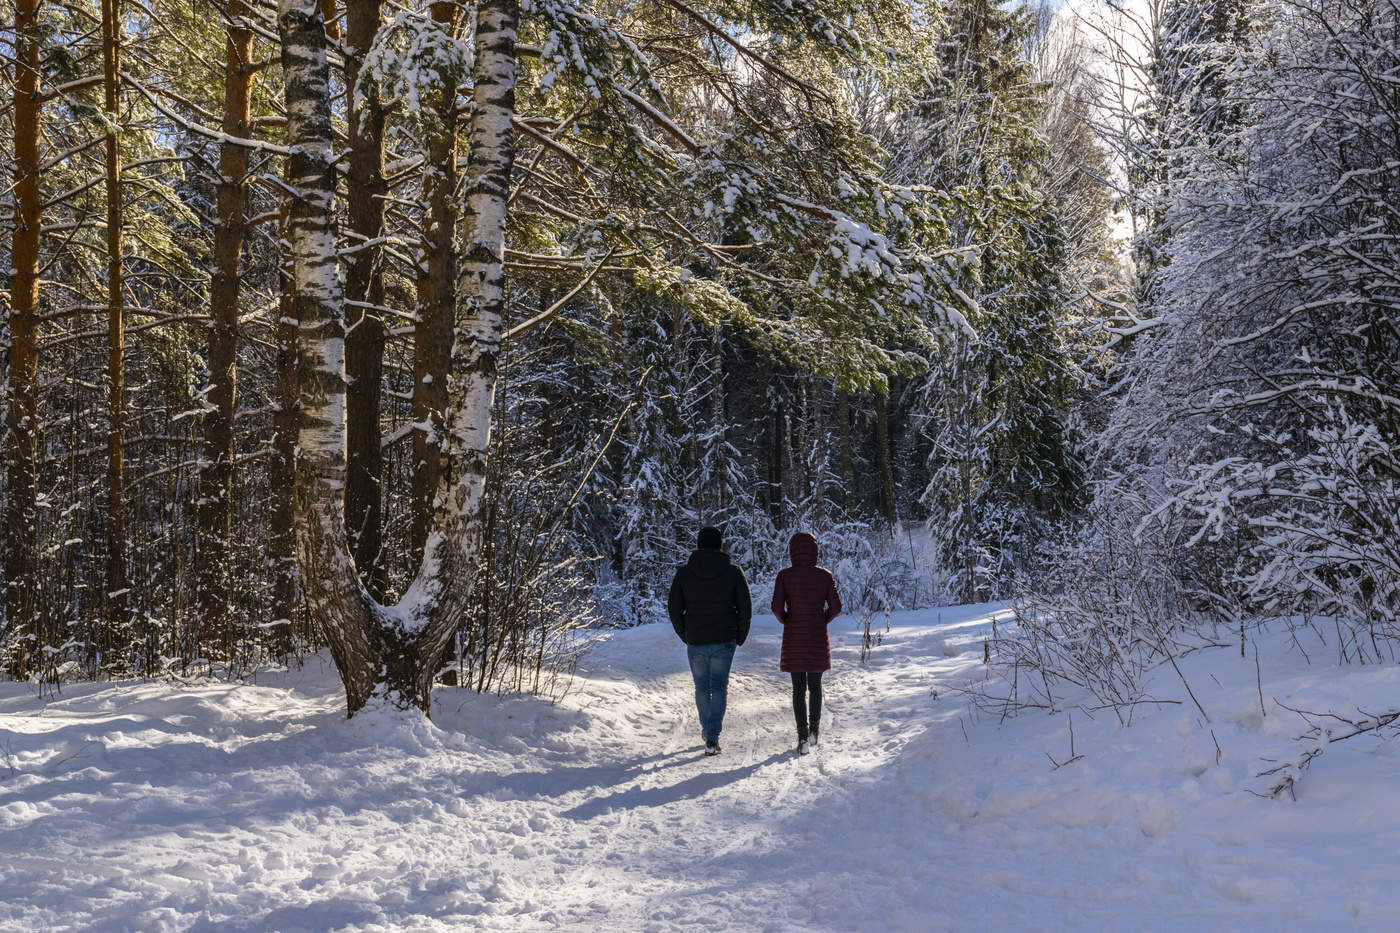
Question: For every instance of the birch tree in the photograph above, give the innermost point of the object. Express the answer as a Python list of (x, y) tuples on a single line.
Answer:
[(395, 650), (381, 650)]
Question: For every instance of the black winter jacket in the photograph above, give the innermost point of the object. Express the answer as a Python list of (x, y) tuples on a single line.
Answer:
[(710, 602)]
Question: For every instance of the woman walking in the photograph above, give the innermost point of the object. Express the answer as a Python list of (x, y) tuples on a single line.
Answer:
[(805, 600)]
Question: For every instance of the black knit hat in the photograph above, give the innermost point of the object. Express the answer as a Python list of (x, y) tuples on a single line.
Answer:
[(710, 538)]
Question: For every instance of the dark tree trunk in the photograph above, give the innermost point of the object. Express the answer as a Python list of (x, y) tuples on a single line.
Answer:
[(21, 481), (364, 294), (843, 428), (720, 422), (819, 446), (116, 583), (882, 453), (230, 228), (437, 302), (967, 527)]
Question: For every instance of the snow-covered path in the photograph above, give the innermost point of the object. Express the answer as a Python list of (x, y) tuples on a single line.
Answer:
[(224, 807)]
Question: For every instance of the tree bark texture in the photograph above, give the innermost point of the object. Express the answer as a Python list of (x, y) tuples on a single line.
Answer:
[(380, 650), (477, 340), (967, 531), (22, 611), (364, 289), (843, 429), (882, 452), (282, 470), (437, 300), (116, 578), (230, 229), (719, 420)]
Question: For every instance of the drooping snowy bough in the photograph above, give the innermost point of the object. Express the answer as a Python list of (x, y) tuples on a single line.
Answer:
[(393, 651)]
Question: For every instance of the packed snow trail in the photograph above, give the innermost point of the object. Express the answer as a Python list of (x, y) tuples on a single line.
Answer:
[(151, 806)]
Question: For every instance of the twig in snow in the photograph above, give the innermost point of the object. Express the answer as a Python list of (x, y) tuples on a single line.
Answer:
[(1316, 739), (1189, 692), (1259, 682), (1072, 756)]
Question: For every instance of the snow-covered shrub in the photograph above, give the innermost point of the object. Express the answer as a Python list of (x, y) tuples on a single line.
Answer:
[(531, 601), (1324, 529), (877, 569), (1257, 400), (1118, 611)]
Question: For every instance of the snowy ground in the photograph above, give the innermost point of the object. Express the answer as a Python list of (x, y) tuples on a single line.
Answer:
[(226, 807)]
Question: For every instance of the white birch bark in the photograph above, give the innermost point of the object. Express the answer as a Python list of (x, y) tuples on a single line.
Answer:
[(383, 650), (438, 599)]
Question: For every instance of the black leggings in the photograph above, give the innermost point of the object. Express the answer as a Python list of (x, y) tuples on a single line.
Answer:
[(805, 686)]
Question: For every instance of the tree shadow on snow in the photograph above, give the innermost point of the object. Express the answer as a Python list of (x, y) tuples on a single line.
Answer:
[(633, 798), (558, 781), (332, 913)]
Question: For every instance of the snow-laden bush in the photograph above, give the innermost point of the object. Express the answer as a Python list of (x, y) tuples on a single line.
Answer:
[(1119, 609), (1247, 468), (1323, 527)]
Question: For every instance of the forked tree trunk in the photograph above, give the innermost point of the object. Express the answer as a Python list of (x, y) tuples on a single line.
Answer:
[(116, 584), (21, 482), (380, 650), (437, 292), (364, 289), (216, 467)]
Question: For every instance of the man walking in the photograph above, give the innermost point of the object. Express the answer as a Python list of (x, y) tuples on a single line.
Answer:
[(710, 610)]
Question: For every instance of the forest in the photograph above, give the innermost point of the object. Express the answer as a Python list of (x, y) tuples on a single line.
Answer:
[(431, 332)]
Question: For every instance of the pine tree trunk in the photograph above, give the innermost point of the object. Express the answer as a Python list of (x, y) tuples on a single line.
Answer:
[(384, 651), (116, 582), (969, 422), (437, 294), (772, 443), (21, 482), (216, 467), (364, 285), (801, 449)]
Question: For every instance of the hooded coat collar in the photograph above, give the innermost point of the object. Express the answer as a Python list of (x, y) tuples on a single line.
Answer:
[(802, 549)]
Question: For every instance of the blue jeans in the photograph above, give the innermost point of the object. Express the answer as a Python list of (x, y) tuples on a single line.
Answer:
[(709, 665)]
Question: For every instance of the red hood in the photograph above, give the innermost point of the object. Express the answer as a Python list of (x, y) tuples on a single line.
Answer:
[(803, 550)]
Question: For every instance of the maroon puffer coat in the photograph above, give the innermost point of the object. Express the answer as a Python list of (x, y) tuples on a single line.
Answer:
[(805, 600)]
